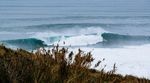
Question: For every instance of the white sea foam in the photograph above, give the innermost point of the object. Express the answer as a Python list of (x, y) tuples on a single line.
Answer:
[(80, 40), (133, 60), (75, 37)]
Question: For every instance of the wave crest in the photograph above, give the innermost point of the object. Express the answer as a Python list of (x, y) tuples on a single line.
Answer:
[(100, 39)]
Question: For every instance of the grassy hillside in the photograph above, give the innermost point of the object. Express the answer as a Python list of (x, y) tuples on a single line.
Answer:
[(55, 66)]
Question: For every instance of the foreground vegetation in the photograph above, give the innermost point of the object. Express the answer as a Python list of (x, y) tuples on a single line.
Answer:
[(55, 66)]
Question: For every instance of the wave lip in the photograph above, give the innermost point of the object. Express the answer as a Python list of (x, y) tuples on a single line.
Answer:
[(29, 43), (117, 39)]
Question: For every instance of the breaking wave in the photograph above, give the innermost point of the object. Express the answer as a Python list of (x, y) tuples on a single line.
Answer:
[(78, 40)]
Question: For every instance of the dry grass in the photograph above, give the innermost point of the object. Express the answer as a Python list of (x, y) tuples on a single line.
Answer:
[(52, 66)]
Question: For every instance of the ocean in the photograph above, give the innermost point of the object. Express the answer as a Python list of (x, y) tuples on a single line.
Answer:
[(118, 30)]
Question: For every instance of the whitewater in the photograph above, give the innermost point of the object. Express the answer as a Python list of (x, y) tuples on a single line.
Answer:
[(118, 30), (130, 60)]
